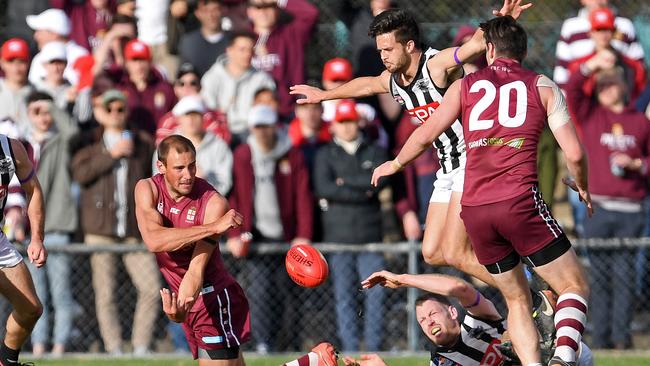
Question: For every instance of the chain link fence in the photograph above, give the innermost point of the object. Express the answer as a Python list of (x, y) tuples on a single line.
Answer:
[(286, 317)]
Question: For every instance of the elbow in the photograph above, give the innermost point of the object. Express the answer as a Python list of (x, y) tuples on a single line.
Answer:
[(461, 289)]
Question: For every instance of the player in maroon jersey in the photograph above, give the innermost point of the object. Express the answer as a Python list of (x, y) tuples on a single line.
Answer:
[(416, 78), (504, 108), (181, 217)]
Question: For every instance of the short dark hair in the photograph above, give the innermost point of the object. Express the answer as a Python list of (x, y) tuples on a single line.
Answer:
[(264, 90), (37, 95), (232, 37), (206, 2), (508, 37), (434, 297), (399, 21), (179, 143)]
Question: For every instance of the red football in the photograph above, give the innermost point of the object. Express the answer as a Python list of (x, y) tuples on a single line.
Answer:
[(306, 265)]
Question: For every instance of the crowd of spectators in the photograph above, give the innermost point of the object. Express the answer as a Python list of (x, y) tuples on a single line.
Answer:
[(90, 87)]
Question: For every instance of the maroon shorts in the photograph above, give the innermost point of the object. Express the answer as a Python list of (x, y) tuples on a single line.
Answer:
[(218, 320), (523, 224)]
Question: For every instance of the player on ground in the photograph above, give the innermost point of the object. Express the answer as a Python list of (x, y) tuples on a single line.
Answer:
[(181, 217), (504, 108), (417, 78), (15, 281), (473, 340)]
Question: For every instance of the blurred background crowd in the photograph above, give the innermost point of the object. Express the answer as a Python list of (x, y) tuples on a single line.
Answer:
[(90, 87)]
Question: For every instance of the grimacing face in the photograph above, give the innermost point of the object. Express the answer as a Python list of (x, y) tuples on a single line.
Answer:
[(179, 171), (394, 55), (438, 322)]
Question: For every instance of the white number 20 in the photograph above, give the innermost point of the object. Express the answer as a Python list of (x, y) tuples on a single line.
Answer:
[(504, 117)]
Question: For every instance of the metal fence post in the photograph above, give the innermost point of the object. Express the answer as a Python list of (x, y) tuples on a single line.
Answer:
[(412, 293)]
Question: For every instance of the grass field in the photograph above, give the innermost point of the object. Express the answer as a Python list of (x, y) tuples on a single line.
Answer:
[(601, 360)]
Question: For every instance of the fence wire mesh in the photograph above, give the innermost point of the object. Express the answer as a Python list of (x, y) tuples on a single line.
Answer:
[(286, 317)]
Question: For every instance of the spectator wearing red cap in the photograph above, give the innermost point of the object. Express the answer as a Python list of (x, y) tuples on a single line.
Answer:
[(149, 95), (231, 83), (188, 84), (602, 35), (280, 47), (14, 87), (89, 20), (351, 215), (50, 26), (575, 43)]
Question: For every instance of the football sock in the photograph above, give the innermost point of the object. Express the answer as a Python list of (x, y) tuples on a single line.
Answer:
[(310, 359), (8, 356), (570, 320)]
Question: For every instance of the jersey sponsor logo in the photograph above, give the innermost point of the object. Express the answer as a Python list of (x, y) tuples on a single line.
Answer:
[(6, 166), (398, 99), (515, 143), (492, 356), (300, 259), (422, 84), (442, 361), (160, 207), (423, 112), (174, 211), (191, 214), (617, 139)]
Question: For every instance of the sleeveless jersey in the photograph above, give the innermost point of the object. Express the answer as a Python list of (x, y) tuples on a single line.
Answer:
[(421, 98), (503, 117), (188, 212), (476, 346), (7, 171)]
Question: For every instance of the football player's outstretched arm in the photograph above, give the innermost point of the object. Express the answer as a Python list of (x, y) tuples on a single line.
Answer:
[(559, 121), (355, 88), (420, 140), (35, 209), (468, 296), (193, 279), (158, 238), (449, 60)]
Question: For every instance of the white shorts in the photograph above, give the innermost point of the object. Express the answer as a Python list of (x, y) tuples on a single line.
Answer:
[(446, 183), (9, 255)]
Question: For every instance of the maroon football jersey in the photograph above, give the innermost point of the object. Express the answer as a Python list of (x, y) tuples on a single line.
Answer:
[(189, 211), (502, 116)]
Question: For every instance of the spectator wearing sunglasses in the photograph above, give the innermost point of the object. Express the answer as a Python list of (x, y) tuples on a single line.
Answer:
[(188, 84), (230, 84)]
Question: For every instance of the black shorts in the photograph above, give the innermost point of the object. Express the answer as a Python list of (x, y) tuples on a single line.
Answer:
[(231, 353)]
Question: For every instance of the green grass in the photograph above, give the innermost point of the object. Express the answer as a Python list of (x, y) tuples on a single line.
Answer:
[(601, 360)]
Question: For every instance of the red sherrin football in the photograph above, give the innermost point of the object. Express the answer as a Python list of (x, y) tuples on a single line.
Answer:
[(306, 266)]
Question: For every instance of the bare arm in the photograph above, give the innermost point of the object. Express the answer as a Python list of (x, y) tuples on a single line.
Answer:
[(355, 88), (35, 208), (567, 138), (468, 296), (423, 136), (158, 238), (193, 279)]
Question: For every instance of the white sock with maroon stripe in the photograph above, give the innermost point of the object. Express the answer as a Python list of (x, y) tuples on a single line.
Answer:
[(570, 320), (310, 359)]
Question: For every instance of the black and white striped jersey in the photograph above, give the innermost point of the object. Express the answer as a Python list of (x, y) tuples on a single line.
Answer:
[(7, 171), (421, 98), (476, 346)]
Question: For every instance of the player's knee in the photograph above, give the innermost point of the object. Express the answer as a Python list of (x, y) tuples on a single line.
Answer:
[(29, 313)]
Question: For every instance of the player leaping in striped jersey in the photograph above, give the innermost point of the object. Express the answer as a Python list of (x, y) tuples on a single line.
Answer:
[(417, 78)]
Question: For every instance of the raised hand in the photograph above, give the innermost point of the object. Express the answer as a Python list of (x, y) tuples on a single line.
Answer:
[(310, 93), (512, 8)]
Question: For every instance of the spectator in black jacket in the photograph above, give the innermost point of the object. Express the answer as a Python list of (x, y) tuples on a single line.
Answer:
[(351, 215)]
